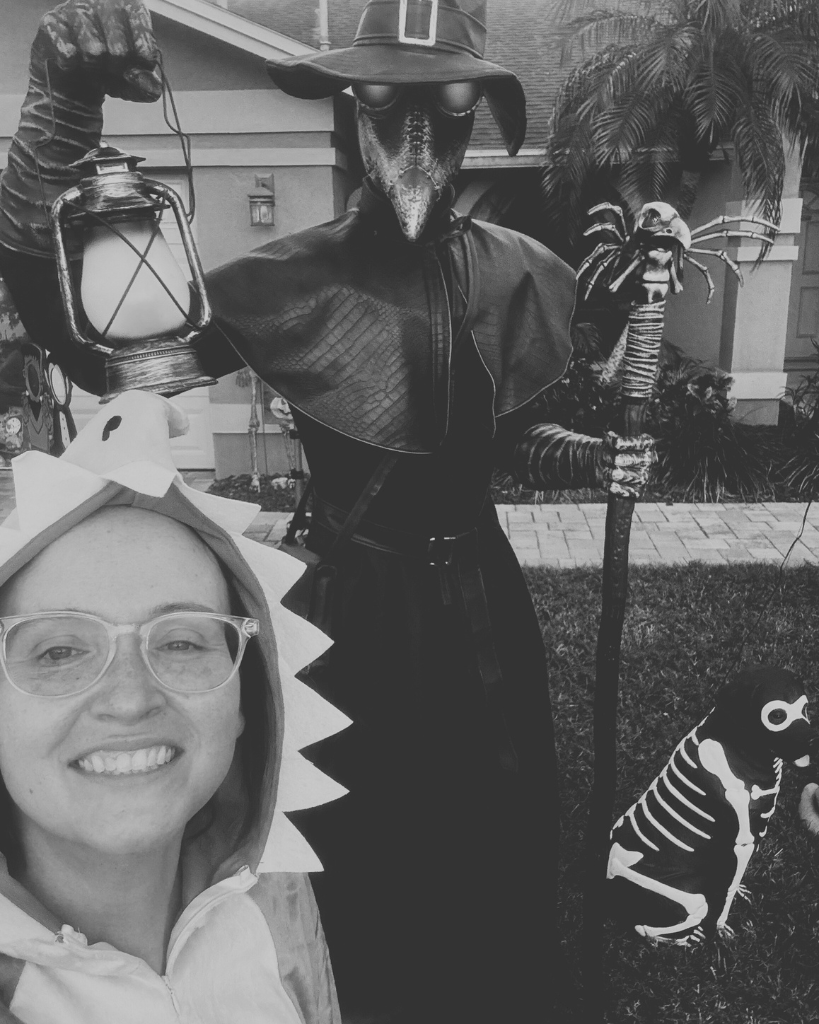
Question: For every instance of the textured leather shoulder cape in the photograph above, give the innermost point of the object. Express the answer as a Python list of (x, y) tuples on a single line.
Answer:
[(352, 324)]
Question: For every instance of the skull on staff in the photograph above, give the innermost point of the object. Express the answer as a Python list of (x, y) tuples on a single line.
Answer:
[(653, 256)]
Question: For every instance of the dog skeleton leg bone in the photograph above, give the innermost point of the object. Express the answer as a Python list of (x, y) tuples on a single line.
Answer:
[(694, 904), (713, 758)]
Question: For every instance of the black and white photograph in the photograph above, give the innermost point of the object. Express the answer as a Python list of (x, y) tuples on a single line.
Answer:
[(409, 557)]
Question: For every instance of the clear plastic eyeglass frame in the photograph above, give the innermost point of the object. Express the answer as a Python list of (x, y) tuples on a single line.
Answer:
[(245, 629)]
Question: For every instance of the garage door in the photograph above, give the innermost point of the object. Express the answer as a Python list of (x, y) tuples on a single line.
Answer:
[(195, 449)]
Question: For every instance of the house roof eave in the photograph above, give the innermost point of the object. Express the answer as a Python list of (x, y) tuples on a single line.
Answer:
[(477, 159), (230, 28)]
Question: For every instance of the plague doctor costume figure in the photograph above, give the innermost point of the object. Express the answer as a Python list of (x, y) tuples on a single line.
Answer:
[(409, 344)]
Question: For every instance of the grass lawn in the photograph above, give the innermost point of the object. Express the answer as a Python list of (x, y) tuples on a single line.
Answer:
[(682, 634)]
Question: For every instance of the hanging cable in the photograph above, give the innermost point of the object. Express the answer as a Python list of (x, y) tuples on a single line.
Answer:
[(184, 138)]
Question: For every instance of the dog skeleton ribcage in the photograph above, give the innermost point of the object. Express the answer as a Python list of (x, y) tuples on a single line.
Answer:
[(679, 853)]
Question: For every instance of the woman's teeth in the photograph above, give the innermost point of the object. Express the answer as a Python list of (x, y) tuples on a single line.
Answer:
[(127, 762)]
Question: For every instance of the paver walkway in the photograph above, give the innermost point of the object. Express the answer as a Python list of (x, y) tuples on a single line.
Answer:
[(567, 536)]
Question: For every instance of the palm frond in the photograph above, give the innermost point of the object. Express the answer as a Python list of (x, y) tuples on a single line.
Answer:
[(760, 154), (782, 73), (714, 92), (674, 80), (607, 28), (786, 16), (625, 126), (649, 172)]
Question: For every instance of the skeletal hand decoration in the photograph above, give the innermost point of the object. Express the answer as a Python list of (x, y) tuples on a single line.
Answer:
[(109, 41), (625, 463), (652, 257)]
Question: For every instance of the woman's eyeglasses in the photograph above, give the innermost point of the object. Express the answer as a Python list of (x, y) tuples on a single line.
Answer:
[(454, 99), (61, 654)]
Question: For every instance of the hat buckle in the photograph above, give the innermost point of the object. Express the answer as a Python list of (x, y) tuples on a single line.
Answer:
[(432, 35)]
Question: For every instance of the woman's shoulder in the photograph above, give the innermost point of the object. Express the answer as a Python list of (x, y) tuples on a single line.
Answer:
[(288, 905), (10, 971)]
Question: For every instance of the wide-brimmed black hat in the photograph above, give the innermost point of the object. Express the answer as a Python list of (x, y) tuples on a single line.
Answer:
[(405, 41)]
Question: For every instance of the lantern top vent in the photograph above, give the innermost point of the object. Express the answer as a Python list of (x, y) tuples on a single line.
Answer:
[(107, 160), (112, 188)]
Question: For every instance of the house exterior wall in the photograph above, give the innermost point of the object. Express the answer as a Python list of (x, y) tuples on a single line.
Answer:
[(693, 325)]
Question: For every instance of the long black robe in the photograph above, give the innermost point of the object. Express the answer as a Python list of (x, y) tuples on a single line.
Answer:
[(440, 864)]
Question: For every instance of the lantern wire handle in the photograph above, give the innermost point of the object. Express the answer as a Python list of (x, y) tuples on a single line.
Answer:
[(184, 138), (167, 98)]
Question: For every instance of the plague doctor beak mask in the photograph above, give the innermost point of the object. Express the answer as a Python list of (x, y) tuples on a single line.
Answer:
[(418, 73)]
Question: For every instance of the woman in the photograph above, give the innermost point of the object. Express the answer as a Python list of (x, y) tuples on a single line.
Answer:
[(151, 872)]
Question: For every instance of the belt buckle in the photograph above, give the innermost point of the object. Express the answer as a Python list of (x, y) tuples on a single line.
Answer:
[(441, 551)]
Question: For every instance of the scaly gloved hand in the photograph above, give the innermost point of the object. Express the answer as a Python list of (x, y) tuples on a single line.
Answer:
[(549, 456), (625, 463), (83, 51), (110, 42)]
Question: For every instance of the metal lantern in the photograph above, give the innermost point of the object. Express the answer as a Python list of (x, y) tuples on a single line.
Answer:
[(134, 303)]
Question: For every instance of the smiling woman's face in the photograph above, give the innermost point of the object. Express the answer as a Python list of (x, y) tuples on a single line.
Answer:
[(125, 565)]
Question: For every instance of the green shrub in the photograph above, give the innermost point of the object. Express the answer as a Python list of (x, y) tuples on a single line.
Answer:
[(582, 400), (800, 471), (702, 452)]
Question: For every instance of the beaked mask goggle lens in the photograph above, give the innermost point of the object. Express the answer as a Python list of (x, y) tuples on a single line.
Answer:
[(454, 99)]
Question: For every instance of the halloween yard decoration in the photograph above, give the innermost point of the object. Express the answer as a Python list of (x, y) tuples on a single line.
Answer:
[(647, 264), (409, 344), (678, 855)]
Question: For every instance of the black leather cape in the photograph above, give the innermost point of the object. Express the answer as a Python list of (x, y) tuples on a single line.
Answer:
[(352, 324)]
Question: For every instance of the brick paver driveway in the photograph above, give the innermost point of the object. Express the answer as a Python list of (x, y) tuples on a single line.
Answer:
[(570, 535)]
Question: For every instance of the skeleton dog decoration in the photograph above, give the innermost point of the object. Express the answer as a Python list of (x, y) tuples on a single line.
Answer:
[(678, 855)]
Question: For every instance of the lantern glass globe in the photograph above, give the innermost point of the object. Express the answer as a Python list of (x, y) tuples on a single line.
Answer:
[(111, 270)]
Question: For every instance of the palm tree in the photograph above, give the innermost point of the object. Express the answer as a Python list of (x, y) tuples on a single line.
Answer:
[(671, 81)]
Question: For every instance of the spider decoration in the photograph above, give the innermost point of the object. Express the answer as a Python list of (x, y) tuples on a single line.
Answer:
[(661, 243)]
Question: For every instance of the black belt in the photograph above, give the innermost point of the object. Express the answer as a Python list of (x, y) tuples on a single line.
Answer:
[(441, 550), (455, 557)]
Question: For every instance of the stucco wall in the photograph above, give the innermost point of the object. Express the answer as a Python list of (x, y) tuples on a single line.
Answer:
[(692, 325)]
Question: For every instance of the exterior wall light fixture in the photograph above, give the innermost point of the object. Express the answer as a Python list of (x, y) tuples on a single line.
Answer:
[(262, 203)]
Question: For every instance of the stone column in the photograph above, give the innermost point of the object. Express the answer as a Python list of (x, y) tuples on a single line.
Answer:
[(755, 317)]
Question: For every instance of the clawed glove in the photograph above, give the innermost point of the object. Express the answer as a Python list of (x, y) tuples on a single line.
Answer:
[(625, 463), (84, 49), (550, 457)]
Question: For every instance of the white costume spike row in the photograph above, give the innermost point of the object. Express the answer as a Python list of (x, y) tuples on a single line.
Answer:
[(128, 444)]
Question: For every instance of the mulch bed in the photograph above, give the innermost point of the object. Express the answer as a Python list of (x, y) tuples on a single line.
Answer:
[(504, 492)]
